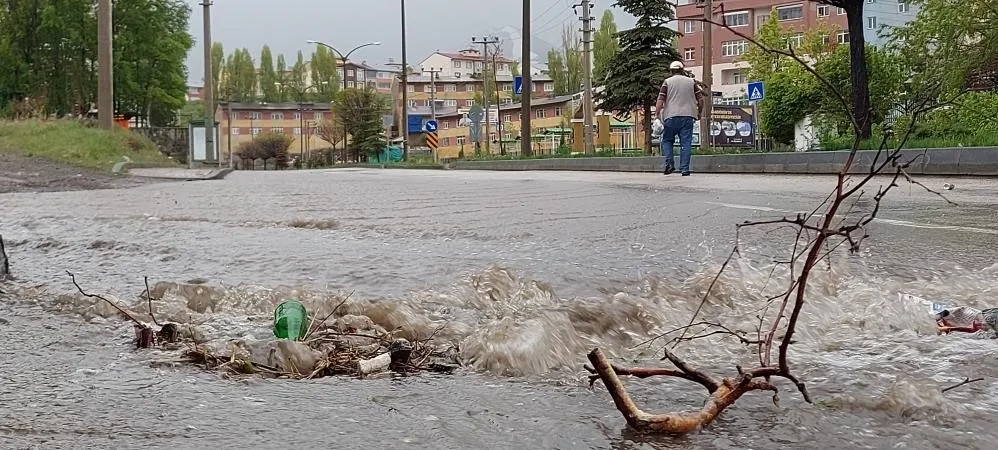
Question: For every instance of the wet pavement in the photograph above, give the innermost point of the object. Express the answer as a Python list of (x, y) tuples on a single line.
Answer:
[(624, 252)]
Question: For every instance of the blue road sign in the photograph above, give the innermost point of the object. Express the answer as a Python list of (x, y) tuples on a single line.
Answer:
[(431, 126), (756, 91), (518, 84)]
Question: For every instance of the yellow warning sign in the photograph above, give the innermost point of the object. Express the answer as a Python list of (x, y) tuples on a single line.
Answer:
[(432, 140)]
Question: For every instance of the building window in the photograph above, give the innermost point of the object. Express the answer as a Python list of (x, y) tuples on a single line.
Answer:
[(469, 103), (539, 114), (507, 87), (840, 11), (457, 64), (317, 115), (690, 53), (460, 140), (871, 22), (446, 124), (451, 88), (738, 19), (277, 130), (842, 37), (253, 115), (690, 26), (411, 88), (737, 78), (796, 40), (822, 10), (558, 112), (733, 48), (825, 39), (297, 116), (276, 116), (234, 131), (351, 84), (548, 87), (350, 73), (451, 103), (507, 101), (790, 13), (507, 118), (255, 131), (296, 131), (903, 7)]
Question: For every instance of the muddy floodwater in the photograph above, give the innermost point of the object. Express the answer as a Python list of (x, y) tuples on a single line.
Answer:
[(524, 273)]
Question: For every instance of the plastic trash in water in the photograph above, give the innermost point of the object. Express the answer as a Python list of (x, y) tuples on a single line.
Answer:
[(290, 321)]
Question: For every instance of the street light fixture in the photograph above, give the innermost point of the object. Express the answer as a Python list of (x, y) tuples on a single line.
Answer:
[(343, 57)]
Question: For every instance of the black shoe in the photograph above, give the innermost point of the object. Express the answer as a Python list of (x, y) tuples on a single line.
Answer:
[(686, 174), (668, 170)]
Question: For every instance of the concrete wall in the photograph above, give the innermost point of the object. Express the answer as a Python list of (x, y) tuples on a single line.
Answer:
[(946, 161)]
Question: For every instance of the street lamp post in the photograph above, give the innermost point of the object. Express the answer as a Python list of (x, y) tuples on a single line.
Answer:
[(343, 58)]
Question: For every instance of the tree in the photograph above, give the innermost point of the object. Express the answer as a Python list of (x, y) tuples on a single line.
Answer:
[(325, 75), (274, 146), (862, 111), (942, 44), (359, 112), (605, 46), (217, 68), (634, 74), (282, 77), (268, 76), (240, 80), (557, 72), (571, 48)]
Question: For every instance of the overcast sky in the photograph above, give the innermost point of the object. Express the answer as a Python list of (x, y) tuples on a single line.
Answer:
[(431, 25)]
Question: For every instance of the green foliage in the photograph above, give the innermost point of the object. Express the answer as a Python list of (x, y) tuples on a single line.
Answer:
[(48, 50), (949, 41), (605, 46), (556, 70), (239, 81), (190, 111), (359, 111), (71, 142), (217, 67), (267, 146), (565, 65), (636, 72), (269, 83), (325, 76)]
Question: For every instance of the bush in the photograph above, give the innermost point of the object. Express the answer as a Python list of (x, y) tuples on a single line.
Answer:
[(274, 146)]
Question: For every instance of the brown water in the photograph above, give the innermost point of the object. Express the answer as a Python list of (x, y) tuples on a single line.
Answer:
[(525, 272)]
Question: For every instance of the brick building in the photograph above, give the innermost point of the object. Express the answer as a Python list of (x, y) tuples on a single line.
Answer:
[(240, 122)]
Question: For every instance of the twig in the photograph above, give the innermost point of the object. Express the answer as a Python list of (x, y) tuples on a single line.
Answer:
[(4, 262), (73, 277), (734, 251), (324, 319), (965, 381), (149, 299)]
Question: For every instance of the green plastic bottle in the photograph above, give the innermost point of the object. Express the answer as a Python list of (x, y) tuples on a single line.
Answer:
[(290, 321)]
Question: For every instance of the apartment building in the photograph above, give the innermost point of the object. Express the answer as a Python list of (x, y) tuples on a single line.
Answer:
[(464, 63), (748, 16), (360, 74), (460, 92), (241, 122), (194, 93)]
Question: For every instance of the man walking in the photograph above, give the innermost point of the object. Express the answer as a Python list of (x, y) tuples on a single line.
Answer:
[(680, 100)]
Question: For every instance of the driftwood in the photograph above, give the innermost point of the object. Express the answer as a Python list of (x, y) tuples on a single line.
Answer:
[(145, 336), (4, 262), (817, 235)]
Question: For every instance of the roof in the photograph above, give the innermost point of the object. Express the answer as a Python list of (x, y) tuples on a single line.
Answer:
[(426, 111), (469, 79), (538, 102), (282, 106), (359, 65), (477, 56), (451, 111)]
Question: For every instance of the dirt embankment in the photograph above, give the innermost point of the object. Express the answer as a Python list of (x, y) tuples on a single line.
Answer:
[(29, 174)]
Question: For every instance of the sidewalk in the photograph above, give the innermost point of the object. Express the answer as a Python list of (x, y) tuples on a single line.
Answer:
[(181, 174)]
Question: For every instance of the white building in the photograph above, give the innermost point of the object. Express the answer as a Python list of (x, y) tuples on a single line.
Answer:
[(464, 63)]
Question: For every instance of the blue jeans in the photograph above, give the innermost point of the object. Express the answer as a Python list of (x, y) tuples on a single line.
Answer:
[(682, 126)]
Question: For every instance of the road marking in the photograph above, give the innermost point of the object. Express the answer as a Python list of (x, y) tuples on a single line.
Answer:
[(903, 223)]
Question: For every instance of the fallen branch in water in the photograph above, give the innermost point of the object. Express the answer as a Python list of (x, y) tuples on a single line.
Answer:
[(831, 225), (145, 336), (4, 262), (964, 382), (105, 299)]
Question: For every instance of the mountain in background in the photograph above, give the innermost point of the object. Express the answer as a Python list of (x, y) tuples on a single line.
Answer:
[(512, 44)]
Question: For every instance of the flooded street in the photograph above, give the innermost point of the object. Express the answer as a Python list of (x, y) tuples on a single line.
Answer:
[(525, 273)]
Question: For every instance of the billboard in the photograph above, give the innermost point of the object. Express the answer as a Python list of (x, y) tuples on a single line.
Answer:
[(730, 126)]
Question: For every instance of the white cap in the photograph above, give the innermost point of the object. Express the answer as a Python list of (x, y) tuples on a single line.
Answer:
[(676, 65)]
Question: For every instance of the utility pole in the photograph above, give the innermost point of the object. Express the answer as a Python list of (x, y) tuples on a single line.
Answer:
[(527, 92), (209, 94), (485, 41), (708, 73), (433, 92), (105, 74), (587, 75), (405, 94)]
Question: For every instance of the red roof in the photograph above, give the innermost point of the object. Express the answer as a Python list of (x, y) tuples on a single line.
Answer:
[(471, 56)]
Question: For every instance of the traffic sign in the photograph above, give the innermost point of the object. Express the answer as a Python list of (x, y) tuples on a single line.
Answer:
[(756, 91), (432, 140), (518, 84), (431, 126)]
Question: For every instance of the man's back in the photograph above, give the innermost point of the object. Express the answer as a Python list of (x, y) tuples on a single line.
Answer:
[(680, 99)]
